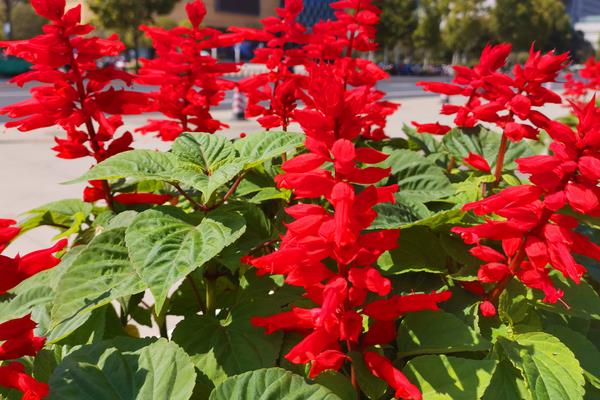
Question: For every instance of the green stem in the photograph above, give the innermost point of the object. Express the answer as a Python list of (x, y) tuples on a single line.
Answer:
[(196, 293), (500, 159)]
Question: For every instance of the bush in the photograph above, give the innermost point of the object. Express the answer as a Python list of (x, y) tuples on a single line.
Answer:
[(335, 263)]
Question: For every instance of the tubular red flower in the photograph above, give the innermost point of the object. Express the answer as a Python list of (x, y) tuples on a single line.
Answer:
[(382, 368)]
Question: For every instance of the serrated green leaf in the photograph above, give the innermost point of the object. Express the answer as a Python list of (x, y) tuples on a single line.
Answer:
[(418, 178), (37, 291), (337, 383), (507, 384), (148, 165), (221, 349), (418, 250), (165, 249), (434, 332), (548, 366), (270, 384), (586, 353), (66, 215), (125, 369), (450, 378), (100, 274), (582, 299), (260, 147), (460, 142), (205, 149)]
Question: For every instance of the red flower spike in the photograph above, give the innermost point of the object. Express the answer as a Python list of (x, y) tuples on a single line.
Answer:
[(7, 232), (434, 129), (17, 336), (329, 251), (13, 376), (382, 368), (190, 81), (143, 198), (478, 162), (535, 235), (14, 271), (80, 100)]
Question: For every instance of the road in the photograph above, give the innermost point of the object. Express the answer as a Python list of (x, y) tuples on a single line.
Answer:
[(396, 88)]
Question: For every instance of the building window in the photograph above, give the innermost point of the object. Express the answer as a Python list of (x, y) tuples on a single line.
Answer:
[(249, 7)]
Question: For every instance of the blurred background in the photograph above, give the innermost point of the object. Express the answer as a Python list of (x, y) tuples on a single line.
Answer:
[(417, 37)]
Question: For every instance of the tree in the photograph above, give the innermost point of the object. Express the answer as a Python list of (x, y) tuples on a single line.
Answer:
[(19, 20), (125, 16), (544, 21), (465, 26), (427, 36), (398, 22)]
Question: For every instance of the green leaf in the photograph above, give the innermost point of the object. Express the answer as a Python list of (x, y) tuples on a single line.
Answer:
[(441, 377), (100, 274), (148, 165), (270, 384), (221, 176), (582, 299), (124, 369), (418, 250), (260, 147), (66, 215), (165, 249), (433, 332), (507, 384), (38, 291), (418, 178), (370, 385), (223, 348), (548, 366), (460, 142), (337, 383), (586, 353), (400, 214), (207, 150)]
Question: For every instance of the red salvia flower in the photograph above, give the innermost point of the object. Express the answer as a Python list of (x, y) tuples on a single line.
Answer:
[(75, 93), (13, 376), (190, 80), (281, 86), (329, 251), (17, 336), (509, 101), (535, 236), (579, 90)]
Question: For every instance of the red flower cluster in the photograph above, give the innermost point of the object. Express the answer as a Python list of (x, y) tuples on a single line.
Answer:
[(498, 98), (78, 97), (329, 251), (190, 80), (534, 234), (508, 101), (579, 90), (281, 86), (16, 336)]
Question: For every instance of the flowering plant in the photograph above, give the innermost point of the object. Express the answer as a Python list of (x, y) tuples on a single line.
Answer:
[(453, 262)]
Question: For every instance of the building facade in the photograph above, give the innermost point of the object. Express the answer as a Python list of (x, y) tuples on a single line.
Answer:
[(247, 13), (581, 9)]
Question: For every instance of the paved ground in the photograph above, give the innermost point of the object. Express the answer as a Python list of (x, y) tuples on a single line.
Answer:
[(30, 174)]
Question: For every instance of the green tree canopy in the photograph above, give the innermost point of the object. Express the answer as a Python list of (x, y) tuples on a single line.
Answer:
[(544, 21), (427, 36), (125, 16), (465, 26), (398, 22)]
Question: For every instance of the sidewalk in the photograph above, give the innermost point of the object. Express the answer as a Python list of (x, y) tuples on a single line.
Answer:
[(31, 175)]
